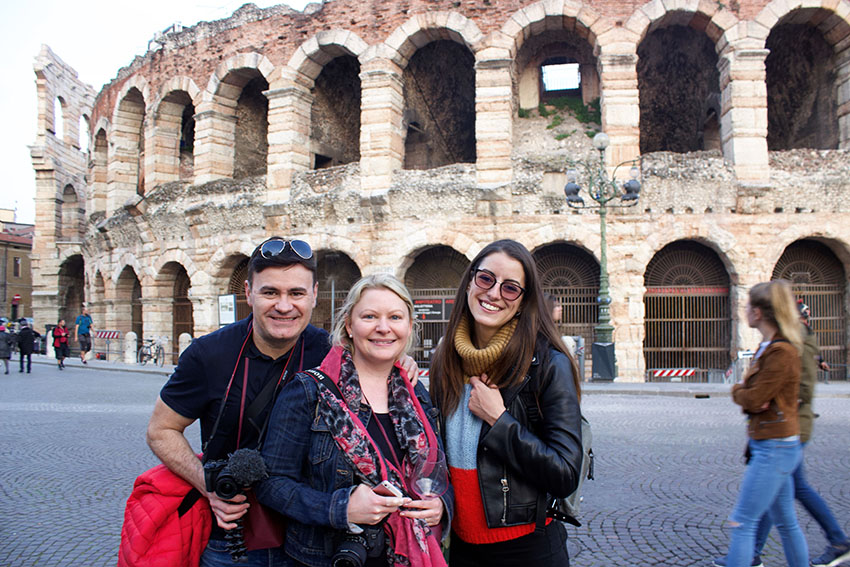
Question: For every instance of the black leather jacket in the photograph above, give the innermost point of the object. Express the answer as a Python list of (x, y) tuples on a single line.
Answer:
[(519, 469)]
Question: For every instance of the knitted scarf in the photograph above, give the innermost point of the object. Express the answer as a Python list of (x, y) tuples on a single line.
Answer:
[(412, 541), (478, 361)]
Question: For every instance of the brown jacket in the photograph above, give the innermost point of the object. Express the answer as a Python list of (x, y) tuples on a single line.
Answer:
[(773, 379)]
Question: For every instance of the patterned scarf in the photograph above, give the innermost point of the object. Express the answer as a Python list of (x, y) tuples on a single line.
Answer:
[(412, 541), (478, 361)]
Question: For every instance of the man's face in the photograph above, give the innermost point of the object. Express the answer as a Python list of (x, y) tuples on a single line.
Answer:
[(282, 301)]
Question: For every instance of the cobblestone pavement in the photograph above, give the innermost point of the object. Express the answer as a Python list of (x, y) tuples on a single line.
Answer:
[(667, 470)]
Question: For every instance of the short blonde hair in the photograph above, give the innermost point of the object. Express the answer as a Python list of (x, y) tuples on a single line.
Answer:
[(339, 336)]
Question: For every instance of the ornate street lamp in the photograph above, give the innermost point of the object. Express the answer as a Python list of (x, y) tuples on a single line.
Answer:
[(602, 190)]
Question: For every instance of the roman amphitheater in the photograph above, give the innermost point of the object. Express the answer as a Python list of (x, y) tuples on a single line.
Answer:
[(403, 136)]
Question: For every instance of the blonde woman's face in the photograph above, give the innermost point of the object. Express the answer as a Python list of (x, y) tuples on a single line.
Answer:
[(379, 326)]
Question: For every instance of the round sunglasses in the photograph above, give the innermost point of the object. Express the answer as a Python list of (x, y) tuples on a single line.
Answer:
[(486, 280)]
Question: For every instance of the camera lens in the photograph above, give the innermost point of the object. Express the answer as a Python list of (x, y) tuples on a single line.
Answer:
[(226, 487), (350, 553)]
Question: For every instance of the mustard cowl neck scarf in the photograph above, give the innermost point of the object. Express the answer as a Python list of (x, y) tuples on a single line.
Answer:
[(478, 361)]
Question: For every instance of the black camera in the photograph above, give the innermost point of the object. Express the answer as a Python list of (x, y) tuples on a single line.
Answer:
[(220, 479), (355, 548)]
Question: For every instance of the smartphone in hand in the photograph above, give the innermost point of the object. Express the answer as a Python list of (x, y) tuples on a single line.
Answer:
[(386, 488)]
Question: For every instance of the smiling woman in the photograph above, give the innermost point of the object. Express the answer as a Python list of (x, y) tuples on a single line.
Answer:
[(357, 422)]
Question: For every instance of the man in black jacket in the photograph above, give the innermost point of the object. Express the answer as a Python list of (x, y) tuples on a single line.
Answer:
[(26, 343)]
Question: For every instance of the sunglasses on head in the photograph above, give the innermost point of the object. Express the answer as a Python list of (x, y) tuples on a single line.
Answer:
[(486, 280), (276, 247)]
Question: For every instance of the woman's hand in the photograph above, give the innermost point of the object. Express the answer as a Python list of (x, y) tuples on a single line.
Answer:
[(485, 401), (430, 510), (366, 507), (410, 368)]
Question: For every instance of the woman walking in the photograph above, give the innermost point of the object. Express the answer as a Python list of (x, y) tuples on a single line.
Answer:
[(500, 362), (60, 343), (769, 394)]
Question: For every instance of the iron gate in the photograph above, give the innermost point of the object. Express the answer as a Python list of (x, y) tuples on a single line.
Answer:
[(829, 323), (687, 327)]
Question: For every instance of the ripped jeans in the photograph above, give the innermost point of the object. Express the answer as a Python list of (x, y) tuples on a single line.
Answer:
[(768, 487)]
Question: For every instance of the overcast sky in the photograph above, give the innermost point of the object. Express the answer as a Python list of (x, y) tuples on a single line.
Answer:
[(96, 38)]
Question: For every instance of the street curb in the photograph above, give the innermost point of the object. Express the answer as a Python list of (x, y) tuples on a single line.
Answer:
[(165, 370)]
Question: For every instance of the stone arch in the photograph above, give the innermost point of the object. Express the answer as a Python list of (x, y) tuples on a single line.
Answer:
[(228, 277), (570, 273), (328, 64), (427, 27), (223, 87), (807, 94), (432, 275), (317, 51), (709, 18), (173, 306), (688, 307), (127, 301), (818, 277), (99, 167), (126, 164), (71, 286), (679, 82), (336, 273), (73, 209), (59, 129), (540, 16), (174, 131)]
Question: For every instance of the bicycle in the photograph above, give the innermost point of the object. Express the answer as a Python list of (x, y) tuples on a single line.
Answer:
[(152, 350)]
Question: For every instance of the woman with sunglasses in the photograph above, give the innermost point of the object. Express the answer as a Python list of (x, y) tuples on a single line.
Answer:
[(501, 350)]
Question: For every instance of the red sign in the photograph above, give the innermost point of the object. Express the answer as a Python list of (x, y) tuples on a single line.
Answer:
[(16, 298)]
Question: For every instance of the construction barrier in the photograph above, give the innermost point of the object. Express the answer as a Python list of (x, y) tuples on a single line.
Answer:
[(107, 353)]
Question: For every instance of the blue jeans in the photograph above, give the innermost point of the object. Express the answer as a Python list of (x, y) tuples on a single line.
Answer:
[(216, 555), (814, 504), (768, 487)]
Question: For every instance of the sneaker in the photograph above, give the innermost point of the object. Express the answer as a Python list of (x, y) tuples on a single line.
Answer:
[(84, 361), (834, 555), (721, 562)]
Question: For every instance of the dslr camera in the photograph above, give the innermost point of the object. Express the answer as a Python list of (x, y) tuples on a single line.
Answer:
[(355, 548), (219, 479)]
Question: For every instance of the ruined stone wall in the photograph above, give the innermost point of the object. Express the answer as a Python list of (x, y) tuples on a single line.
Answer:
[(498, 173)]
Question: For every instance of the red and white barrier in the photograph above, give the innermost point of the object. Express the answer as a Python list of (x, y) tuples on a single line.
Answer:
[(107, 334), (673, 372)]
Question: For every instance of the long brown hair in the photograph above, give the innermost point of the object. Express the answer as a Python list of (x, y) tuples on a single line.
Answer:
[(777, 305), (534, 322)]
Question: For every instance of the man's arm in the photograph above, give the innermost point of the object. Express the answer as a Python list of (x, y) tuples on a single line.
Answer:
[(166, 439), (76, 331)]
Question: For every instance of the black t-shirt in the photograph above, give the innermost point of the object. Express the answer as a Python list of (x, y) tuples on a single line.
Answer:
[(197, 387)]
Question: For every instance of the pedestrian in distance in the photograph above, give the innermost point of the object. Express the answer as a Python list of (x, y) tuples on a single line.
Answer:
[(7, 341), (768, 395), (26, 344), (838, 550), (60, 343), (264, 350), (501, 348), (82, 333), (346, 444)]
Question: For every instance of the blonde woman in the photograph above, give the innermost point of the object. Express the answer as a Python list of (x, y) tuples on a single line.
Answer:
[(337, 434), (769, 394)]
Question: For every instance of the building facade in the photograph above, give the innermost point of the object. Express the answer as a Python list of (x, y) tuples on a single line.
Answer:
[(404, 137)]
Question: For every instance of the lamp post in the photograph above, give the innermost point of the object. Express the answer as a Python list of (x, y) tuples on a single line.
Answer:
[(602, 190)]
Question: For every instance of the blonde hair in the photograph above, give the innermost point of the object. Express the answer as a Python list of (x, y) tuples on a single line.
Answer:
[(339, 335), (778, 306)]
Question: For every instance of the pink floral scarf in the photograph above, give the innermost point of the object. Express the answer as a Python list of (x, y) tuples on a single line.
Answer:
[(412, 542)]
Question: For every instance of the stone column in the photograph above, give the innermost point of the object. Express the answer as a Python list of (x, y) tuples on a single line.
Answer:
[(842, 80), (381, 137), (215, 142), (743, 120), (289, 135), (493, 122), (125, 151), (620, 106)]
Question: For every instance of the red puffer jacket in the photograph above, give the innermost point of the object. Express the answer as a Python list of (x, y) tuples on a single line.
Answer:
[(154, 534)]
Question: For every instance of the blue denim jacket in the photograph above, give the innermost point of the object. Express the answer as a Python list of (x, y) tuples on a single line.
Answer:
[(309, 479)]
